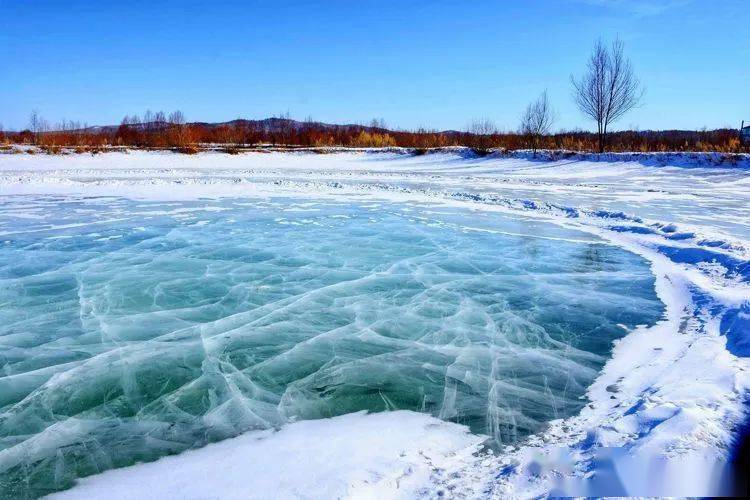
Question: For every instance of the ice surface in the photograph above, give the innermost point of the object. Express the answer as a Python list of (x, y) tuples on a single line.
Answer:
[(137, 329), (672, 391)]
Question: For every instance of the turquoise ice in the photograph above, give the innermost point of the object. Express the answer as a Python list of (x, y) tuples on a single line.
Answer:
[(131, 330)]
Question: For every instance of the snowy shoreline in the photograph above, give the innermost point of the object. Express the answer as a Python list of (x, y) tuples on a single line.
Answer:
[(674, 390), (674, 158)]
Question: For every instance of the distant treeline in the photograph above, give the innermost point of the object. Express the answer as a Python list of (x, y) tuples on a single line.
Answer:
[(157, 130)]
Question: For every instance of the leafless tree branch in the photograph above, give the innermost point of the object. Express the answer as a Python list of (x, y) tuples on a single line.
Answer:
[(608, 89), (537, 120)]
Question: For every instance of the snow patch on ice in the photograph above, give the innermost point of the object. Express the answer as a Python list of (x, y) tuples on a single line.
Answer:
[(397, 454)]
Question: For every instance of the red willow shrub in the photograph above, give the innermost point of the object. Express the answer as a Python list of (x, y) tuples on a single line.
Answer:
[(158, 131)]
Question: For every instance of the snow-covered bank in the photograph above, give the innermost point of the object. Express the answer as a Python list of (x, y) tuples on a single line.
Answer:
[(661, 158), (672, 391), (397, 454)]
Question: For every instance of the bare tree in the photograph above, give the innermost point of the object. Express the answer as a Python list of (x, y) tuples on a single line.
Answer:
[(37, 125), (608, 89), (34, 120), (481, 134), (176, 118), (178, 129), (148, 121), (378, 123), (537, 120), (286, 128)]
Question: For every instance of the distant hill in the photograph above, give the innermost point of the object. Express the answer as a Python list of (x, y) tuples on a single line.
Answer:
[(269, 125)]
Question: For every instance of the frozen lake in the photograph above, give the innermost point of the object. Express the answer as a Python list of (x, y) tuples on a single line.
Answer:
[(145, 328), (155, 303)]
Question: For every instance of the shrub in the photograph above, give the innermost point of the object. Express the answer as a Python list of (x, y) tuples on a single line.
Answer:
[(367, 140)]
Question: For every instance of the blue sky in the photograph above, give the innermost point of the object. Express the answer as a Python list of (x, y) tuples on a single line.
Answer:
[(436, 64)]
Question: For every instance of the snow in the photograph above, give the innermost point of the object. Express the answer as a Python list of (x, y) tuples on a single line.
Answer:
[(384, 455), (672, 392)]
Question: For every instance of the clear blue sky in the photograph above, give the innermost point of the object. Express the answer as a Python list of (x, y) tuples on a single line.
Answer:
[(425, 63)]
